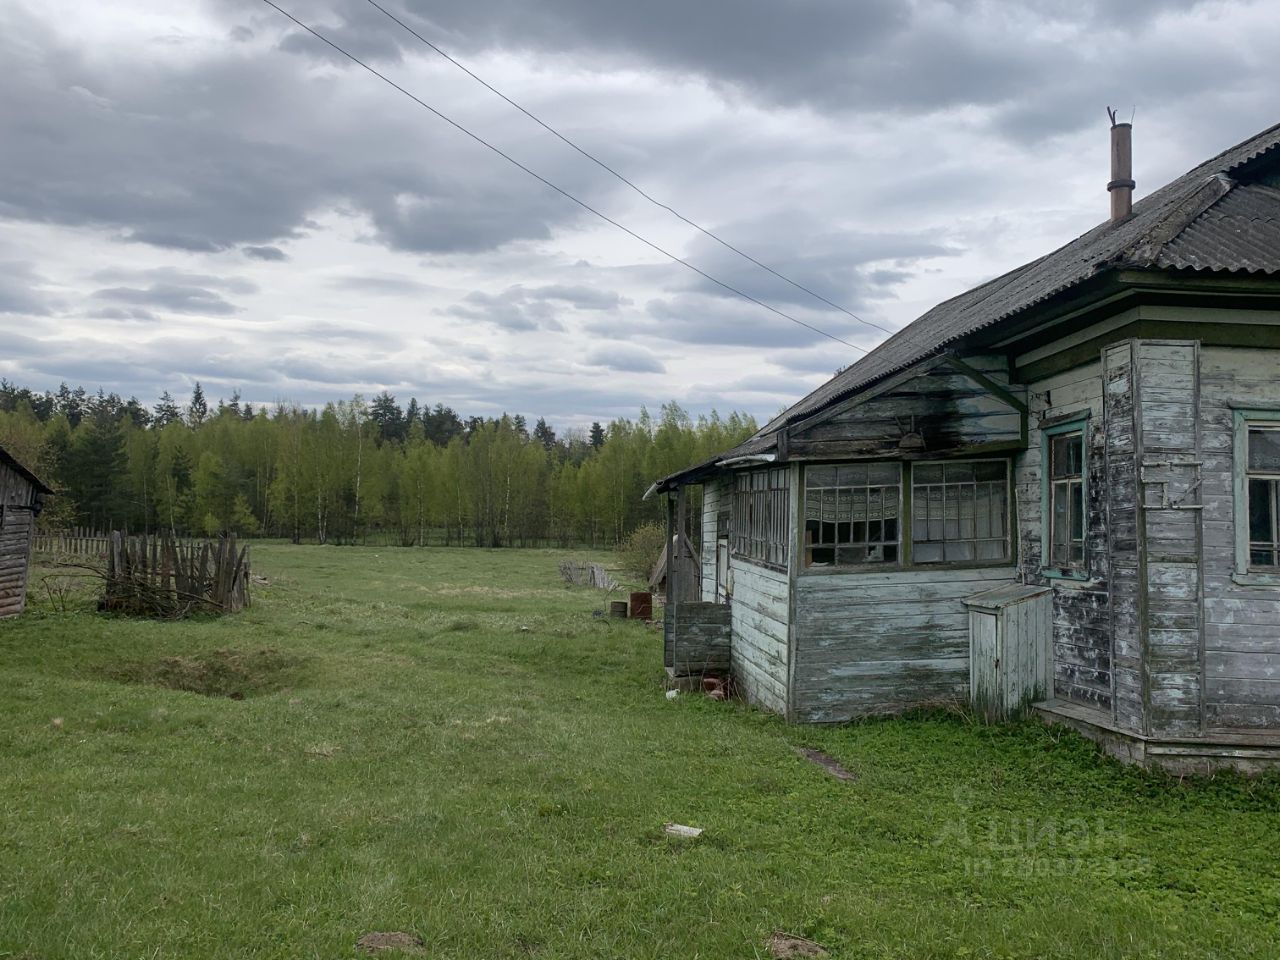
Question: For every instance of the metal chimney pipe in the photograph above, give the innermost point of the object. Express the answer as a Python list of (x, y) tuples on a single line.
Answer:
[(1121, 185)]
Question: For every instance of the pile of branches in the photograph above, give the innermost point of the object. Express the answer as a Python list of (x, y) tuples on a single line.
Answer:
[(166, 578)]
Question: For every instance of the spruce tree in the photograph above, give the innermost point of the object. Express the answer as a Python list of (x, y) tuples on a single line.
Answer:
[(198, 408), (166, 411)]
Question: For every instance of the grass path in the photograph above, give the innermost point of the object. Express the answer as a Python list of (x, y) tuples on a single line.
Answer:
[(447, 742)]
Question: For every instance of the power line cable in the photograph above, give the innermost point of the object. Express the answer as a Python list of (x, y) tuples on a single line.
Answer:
[(607, 168), (537, 176)]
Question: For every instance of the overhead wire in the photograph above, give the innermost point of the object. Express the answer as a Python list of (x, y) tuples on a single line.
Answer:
[(610, 170), (560, 190)]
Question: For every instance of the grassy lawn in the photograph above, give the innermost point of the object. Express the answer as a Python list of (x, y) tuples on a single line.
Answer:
[(449, 743)]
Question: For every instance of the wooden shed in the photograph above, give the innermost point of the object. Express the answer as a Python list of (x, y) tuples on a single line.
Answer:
[(21, 497), (1095, 434)]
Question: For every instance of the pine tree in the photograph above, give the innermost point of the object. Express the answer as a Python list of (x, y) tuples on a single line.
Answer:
[(597, 435)]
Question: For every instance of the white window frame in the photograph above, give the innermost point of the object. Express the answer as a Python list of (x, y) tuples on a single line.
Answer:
[(1244, 419), (1006, 557), (1047, 484)]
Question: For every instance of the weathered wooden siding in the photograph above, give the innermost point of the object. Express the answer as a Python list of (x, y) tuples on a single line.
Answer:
[(1241, 622), (1167, 417), (17, 518), (1081, 609), (868, 643), (760, 617), (713, 493), (949, 409), (697, 638), (1010, 650)]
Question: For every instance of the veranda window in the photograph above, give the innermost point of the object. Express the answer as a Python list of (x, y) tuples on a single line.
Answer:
[(851, 514), (1262, 481), (960, 511), (760, 525), (1064, 500)]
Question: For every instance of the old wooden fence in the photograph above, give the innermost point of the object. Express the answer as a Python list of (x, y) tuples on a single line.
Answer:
[(164, 576), (74, 542)]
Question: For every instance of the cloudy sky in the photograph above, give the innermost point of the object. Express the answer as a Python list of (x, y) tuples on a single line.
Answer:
[(202, 191)]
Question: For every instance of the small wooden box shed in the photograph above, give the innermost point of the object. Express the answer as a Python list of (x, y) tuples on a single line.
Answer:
[(1010, 648), (21, 497)]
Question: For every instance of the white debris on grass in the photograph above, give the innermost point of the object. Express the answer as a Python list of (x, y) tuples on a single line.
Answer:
[(682, 831)]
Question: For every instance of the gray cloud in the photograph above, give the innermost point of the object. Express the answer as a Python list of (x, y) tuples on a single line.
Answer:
[(885, 154), (624, 358), (177, 298), (18, 290), (266, 252), (533, 308), (696, 318), (124, 313), (380, 285)]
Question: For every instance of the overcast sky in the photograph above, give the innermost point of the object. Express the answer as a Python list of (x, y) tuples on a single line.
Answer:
[(200, 191)]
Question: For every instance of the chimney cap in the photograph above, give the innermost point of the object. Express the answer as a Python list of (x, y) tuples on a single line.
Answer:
[(1111, 115)]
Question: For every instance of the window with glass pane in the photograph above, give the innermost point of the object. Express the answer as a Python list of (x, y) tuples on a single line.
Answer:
[(1263, 484), (760, 521), (960, 511), (1066, 501), (851, 514)]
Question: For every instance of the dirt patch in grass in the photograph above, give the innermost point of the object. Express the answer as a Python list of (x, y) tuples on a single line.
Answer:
[(235, 674), (460, 626), (787, 946), (378, 942)]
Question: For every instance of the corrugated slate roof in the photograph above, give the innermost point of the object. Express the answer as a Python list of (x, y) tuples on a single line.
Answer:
[(1239, 232), (1204, 220)]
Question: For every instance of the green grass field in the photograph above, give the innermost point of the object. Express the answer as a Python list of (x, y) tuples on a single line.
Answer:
[(449, 743)]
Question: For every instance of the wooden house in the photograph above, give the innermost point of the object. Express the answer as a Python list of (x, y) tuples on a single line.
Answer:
[(21, 496), (1072, 471)]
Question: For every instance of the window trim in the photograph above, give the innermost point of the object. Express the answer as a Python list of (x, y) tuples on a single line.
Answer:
[(740, 528), (1242, 418), (904, 501), (906, 561), (1010, 517), (1078, 425)]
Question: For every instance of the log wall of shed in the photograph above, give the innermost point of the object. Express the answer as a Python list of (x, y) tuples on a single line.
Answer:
[(17, 522)]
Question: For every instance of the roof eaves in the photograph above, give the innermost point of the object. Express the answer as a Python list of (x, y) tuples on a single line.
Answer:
[(7, 458)]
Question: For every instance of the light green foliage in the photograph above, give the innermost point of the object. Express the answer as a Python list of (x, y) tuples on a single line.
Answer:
[(448, 743), (640, 551), (352, 472)]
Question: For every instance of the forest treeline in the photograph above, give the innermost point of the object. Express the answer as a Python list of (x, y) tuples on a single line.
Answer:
[(351, 471)]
